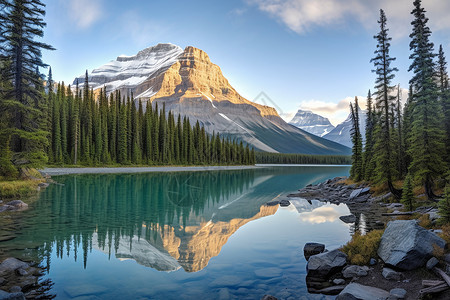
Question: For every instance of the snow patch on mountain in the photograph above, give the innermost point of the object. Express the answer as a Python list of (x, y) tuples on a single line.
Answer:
[(311, 122)]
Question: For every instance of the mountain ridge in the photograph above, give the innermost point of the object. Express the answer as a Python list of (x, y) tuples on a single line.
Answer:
[(189, 84)]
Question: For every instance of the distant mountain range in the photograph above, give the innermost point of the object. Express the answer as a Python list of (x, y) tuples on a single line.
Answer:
[(189, 84), (311, 122), (322, 127)]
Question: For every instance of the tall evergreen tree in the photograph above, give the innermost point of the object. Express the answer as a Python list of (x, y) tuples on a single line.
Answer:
[(400, 147), (427, 133), (356, 169), (22, 24), (444, 96), (385, 74), (368, 160)]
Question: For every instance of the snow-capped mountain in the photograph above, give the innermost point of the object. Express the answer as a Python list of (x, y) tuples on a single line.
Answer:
[(311, 122), (341, 134), (189, 84)]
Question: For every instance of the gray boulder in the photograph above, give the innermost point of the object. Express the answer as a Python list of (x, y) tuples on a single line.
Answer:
[(18, 204), (356, 291), (359, 192), (432, 262), (348, 219), (355, 271), (12, 264), (325, 264), (406, 245), (397, 293), (311, 249), (390, 274)]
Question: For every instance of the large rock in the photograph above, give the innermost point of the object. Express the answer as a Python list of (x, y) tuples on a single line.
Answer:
[(326, 264), (355, 271), (12, 264), (390, 274), (311, 249), (406, 245), (356, 291)]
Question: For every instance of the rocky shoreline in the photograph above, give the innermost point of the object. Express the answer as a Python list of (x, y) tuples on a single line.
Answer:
[(19, 279), (407, 257)]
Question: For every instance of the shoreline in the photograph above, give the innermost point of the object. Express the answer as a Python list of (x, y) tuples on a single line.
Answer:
[(130, 170), (133, 170)]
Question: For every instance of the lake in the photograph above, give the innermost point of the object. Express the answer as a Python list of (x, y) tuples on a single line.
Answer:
[(179, 235)]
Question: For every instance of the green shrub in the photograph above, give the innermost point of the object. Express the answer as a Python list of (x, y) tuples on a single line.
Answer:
[(362, 248)]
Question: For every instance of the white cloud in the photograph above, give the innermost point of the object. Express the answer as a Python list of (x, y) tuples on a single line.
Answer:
[(142, 31), (338, 112), (85, 12), (303, 15)]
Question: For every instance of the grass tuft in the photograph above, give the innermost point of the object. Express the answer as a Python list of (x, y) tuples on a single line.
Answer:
[(362, 248)]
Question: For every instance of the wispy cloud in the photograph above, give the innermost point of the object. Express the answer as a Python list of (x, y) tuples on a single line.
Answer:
[(303, 15), (85, 12), (142, 31)]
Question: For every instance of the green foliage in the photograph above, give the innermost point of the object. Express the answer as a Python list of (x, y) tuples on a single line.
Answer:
[(362, 248), (427, 133), (356, 171), (408, 198), (368, 168), (292, 158), (444, 205), (384, 101), (20, 59)]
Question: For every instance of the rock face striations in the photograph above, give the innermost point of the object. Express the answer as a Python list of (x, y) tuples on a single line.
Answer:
[(189, 84)]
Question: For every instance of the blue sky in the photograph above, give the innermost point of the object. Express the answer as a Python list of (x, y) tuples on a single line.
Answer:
[(312, 54)]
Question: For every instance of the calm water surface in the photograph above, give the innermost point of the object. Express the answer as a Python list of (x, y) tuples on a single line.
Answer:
[(184, 235)]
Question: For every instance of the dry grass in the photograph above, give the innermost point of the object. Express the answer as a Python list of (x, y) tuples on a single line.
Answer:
[(18, 188), (445, 233), (425, 221), (362, 248)]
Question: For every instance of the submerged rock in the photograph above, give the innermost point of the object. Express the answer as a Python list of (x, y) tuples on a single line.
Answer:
[(12, 264), (356, 291), (326, 264), (406, 245), (11, 296), (311, 249)]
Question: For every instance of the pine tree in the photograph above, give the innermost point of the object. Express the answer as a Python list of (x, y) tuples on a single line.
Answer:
[(368, 161), (401, 163), (75, 125), (444, 206), (122, 139), (444, 96), (385, 74), (356, 169), (427, 133), (22, 23), (408, 195)]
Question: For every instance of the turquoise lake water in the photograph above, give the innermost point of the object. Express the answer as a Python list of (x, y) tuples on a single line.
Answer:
[(181, 235)]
